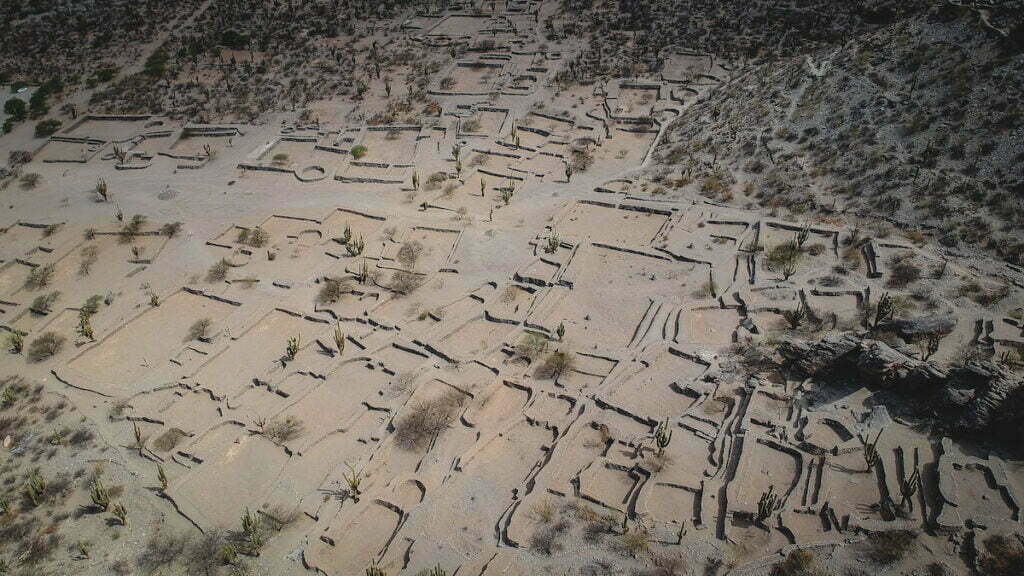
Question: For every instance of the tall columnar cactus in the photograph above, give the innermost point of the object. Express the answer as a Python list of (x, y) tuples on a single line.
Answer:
[(885, 310), (908, 487), (663, 436), (766, 505), (871, 455), (99, 495)]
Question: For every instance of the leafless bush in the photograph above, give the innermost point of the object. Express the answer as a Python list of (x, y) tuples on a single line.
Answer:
[(423, 422), (45, 346), (405, 282)]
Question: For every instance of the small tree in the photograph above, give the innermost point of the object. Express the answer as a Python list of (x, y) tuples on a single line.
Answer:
[(929, 344)]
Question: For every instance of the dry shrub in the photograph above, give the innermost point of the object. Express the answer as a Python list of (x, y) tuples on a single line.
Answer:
[(218, 272), (199, 328), (1003, 557), (283, 430), (169, 439), (409, 254), (797, 563), (556, 364), (531, 346), (888, 547), (404, 282), (45, 346), (903, 270), (423, 422), (332, 291)]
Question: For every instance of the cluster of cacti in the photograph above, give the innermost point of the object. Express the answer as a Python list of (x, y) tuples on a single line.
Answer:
[(506, 195), (346, 236), (364, 273), (252, 529), (553, 243), (908, 487), (355, 246), (766, 504), (560, 331), (140, 440), (375, 570), (35, 489), (85, 325), (871, 455)]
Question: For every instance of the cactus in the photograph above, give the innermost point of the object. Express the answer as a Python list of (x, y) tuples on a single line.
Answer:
[(339, 339), (375, 570), (364, 273), (293, 348), (252, 529), (663, 436), (36, 488), (456, 150), (436, 571), (909, 486), (140, 441), (483, 186), (101, 190), (553, 243), (802, 235), (568, 172), (352, 481), (162, 477), (871, 455), (229, 554), (766, 505), (99, 495), (121, 513), (415, 180), (85, 326), (560, 331), (506, 195), (885, 310), (355, 246), (346, 236)]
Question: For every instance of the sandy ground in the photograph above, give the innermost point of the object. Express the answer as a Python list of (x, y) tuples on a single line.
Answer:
[(471, 455)]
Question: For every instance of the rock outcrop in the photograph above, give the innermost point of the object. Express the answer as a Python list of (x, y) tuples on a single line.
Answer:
[(971, 398)]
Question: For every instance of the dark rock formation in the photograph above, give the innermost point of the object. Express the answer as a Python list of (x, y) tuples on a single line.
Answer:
[(973, 398)]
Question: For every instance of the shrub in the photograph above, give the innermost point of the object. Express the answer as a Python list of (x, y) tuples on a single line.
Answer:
[(888, 547), (47, 128), (1002, 557), (903, 271), (358, 151), (218, 272), (784, 258), (332, 291), (404, 282), (45, 346), (258, 237), (556, 364), (30, 181), (39, 277), (42, 303), (168, 440), (409, 254), (531, 346), (283, 430), (199, 328), (797, 563), (423, 422), (171, 229)]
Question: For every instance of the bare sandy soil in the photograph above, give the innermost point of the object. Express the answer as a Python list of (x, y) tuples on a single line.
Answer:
[(451, 352)]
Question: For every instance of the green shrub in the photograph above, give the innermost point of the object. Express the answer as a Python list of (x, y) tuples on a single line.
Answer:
[(46, 128), (359, 151)]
